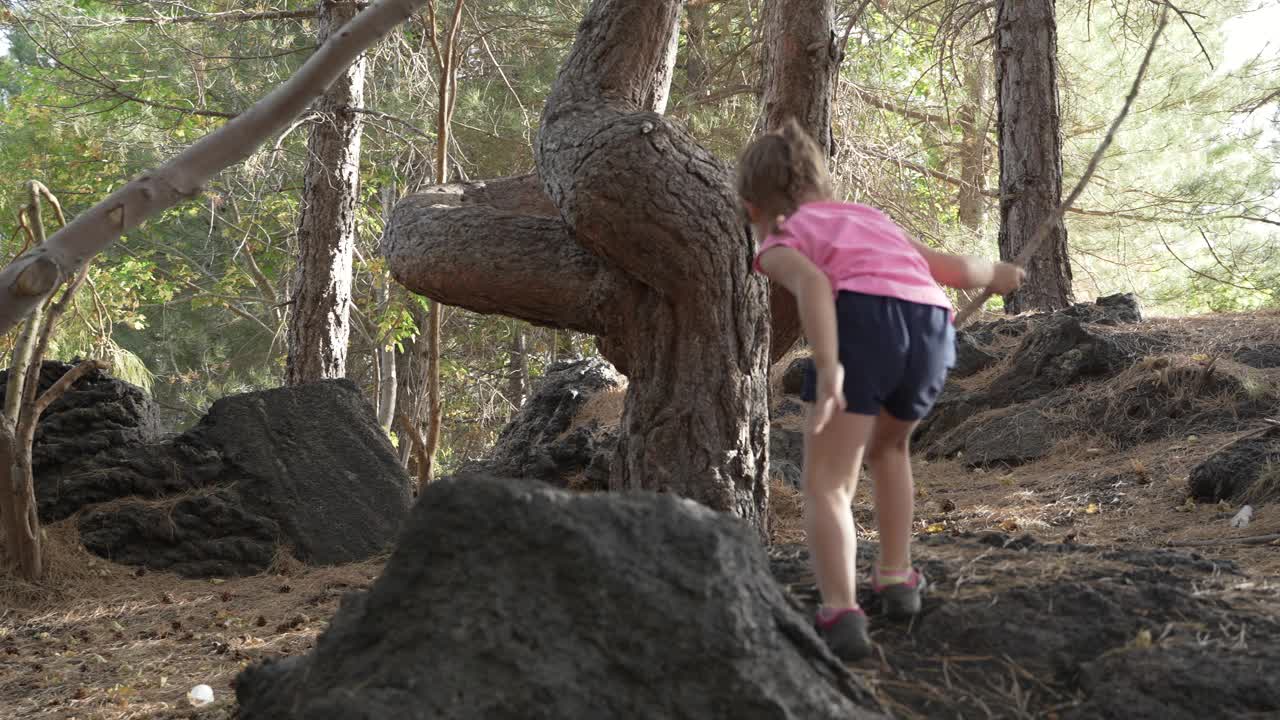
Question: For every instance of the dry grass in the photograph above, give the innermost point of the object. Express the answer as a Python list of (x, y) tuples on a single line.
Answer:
[(604, 408), (1266, 488), (786, 513), (71, 572)]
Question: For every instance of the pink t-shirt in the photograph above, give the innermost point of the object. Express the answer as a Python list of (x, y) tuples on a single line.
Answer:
[(860, 249)]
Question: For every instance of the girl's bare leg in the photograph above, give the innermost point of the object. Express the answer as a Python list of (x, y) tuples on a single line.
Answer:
[(832, 460), (889, 460)]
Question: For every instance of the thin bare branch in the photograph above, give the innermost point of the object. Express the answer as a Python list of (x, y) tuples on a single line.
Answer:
[(216, 17)]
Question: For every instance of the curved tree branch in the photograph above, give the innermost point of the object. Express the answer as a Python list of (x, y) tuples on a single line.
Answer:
[(499, 260)]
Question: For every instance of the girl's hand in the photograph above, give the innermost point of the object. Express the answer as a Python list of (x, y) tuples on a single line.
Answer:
[(1005, 278), (830, 398)]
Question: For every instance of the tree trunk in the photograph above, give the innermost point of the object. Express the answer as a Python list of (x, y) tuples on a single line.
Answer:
[(435, 406), (387, 378), (641, 245), (1031, 151), (971, 200), (800, 61), (386, 352), (320, 307), (17, 506), (17, 495), (517, 369), (697, 68), (447, 58)]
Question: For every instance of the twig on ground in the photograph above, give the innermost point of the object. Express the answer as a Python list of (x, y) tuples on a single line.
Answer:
[(1253, 540)]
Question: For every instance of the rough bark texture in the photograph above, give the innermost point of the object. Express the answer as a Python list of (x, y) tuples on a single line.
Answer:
[(800, 60), (971, 200), (517, 370), (20, 548), (508, 600), (1031, 150), (636, 240), (320, 302)]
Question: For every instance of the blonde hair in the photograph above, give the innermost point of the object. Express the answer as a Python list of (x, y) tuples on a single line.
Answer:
[(781, 168)]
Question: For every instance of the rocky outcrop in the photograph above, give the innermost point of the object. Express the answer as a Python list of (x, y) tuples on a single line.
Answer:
[(511, 599), (542, 442), (91, 429), (1247, 469), (304, 469), (1098, 632)]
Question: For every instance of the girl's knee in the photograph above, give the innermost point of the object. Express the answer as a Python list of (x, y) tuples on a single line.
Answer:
[(887, 449), (828, 490)]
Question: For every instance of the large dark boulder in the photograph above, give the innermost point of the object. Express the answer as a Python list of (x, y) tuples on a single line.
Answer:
[(793, 376), (198, 534), (1248, 469), (971, 358), (511, 599), (94, 426), (1007, 436), (542, 442), (1118, 309), (786, 454), (302, 469), (1055, 353), (1262, 357)]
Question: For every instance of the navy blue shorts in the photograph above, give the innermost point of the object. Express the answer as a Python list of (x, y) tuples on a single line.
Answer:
[(895, 354)]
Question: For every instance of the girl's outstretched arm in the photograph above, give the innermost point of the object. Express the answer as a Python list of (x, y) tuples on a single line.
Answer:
[(968, 272), (816, 302)]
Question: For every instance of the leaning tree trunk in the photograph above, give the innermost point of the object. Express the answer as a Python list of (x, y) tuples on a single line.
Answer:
[(630, 232), (320, 302), (1031, 150), (800, 63)]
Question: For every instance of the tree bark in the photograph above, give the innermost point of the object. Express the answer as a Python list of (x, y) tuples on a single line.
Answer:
[(320, 306), (517, 369), (21, 549), (697, 69), (17, 494), (1031, 151), (435, 404), (800, 60), (971, 198), (645, 250)]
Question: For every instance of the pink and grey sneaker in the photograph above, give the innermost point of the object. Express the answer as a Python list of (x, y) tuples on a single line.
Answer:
[(899, 591), (845, 632)]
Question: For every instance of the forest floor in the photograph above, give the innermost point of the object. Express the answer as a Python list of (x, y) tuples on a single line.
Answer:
[(1049, 580)]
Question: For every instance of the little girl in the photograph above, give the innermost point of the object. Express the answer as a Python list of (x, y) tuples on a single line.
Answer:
[(880, 330)]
